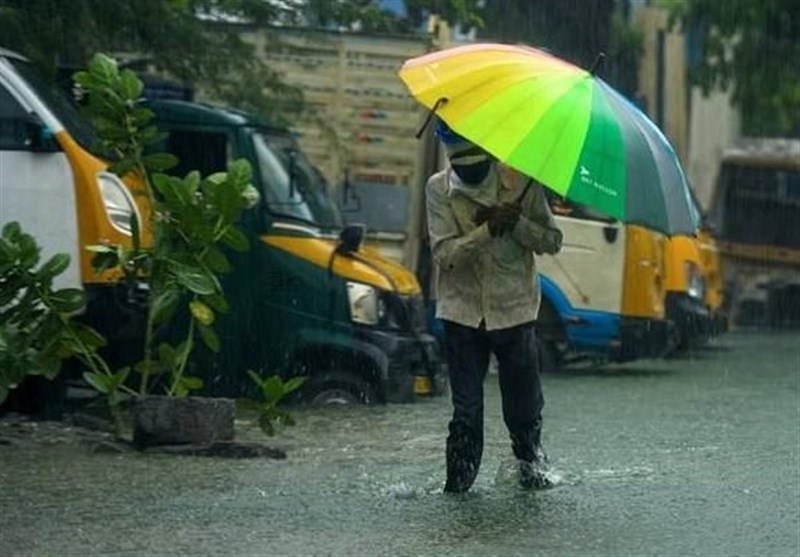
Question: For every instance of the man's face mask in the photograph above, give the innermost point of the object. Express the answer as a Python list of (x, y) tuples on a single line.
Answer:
[(471, 165), (473, 174)]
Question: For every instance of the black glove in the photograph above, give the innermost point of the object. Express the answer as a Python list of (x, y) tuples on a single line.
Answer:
[(503, 219), (483, 214)]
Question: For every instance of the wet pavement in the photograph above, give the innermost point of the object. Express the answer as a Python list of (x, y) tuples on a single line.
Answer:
[(697, 456)]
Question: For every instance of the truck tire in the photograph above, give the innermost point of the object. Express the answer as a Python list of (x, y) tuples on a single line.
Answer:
[(338, 387)]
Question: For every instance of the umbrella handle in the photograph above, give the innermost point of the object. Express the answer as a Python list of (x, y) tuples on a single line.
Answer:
[(439, 103)]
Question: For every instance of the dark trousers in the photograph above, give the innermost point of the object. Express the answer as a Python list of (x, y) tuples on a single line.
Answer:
[(467, 350)]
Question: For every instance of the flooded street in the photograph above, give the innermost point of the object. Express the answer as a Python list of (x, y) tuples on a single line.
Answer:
[(698, 456)]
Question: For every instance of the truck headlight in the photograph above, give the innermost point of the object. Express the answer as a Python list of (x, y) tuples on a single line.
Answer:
[(695, 283), (364, 305), (117, 201), (371, 306)]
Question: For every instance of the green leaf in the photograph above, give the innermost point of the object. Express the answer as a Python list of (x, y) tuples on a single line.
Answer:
[(119, 377), (54, 266), (255, 377), (122, 167), (172, 189), (217, 303), (160, 161), (201, 312), (136, 233), (87, 335), (209, 337), (143, 116), (240, 173), (216, 260), (217, 178), (192, 383), (67, 300), (132, 86), (273, 388), (103, 68), (167, 355), (164, 304), (293, 384), (12, 229), (235, 239), (192, 181), (193, 277), (229, 202), (100, 382)]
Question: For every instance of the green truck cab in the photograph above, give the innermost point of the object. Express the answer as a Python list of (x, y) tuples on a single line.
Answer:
[(307, 298)]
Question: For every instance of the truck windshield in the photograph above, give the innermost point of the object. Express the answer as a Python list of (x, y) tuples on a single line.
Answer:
[(293, 188), (760, 205), (50, 94)]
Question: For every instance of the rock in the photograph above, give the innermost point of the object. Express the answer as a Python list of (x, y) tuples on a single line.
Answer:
[(164, 420)]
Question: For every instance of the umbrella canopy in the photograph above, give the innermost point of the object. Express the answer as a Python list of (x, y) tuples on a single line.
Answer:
[(561, 125)]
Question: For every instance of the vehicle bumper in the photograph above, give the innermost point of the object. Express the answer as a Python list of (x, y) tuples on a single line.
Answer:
[(691, 317), (413, 364), (642, 338)]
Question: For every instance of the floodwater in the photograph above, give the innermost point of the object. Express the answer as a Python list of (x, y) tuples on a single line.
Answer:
[(696, 456)]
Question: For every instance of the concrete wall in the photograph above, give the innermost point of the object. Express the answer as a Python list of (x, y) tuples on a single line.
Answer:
[(715, 126), (699, 127)]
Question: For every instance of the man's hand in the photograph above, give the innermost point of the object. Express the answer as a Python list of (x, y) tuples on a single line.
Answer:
[(483, 214), (503, 219)]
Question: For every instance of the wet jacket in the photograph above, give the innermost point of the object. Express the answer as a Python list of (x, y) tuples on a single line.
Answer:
[(481, 278)]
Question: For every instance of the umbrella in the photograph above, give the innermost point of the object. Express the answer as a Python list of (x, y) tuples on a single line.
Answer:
[(561, 125)]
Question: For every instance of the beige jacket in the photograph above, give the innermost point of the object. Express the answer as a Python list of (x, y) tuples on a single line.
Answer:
[(480, 278)]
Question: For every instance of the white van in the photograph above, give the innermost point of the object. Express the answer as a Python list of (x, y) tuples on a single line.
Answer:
[(603, 293), (57, 190)]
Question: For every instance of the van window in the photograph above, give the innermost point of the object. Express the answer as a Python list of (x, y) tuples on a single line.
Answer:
[(13, 123), (49, 93), (278, 193), (309, 181), (208, 152), (561, 206)]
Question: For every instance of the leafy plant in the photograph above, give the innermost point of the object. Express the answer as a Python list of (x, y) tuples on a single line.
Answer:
[(37, 331), (191, 220), (274, 389)]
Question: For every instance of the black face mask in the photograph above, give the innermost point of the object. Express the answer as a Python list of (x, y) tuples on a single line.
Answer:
[(473, 174)]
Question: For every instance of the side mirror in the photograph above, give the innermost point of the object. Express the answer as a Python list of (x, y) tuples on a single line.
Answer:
[(350, 238)]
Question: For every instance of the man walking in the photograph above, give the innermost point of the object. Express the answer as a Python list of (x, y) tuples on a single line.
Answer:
[(485, 221)]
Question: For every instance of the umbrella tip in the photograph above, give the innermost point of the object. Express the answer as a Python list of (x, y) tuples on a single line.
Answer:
[(597, 63)]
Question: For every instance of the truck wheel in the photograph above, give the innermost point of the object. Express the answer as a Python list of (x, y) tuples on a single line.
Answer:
[(550, 359), (339, 388)]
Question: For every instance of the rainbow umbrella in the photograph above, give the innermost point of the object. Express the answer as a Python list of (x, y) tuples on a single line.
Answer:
[(561, 125)]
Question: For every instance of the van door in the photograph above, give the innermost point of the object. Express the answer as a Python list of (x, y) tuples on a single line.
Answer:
[(590, 267), (36, 182)]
